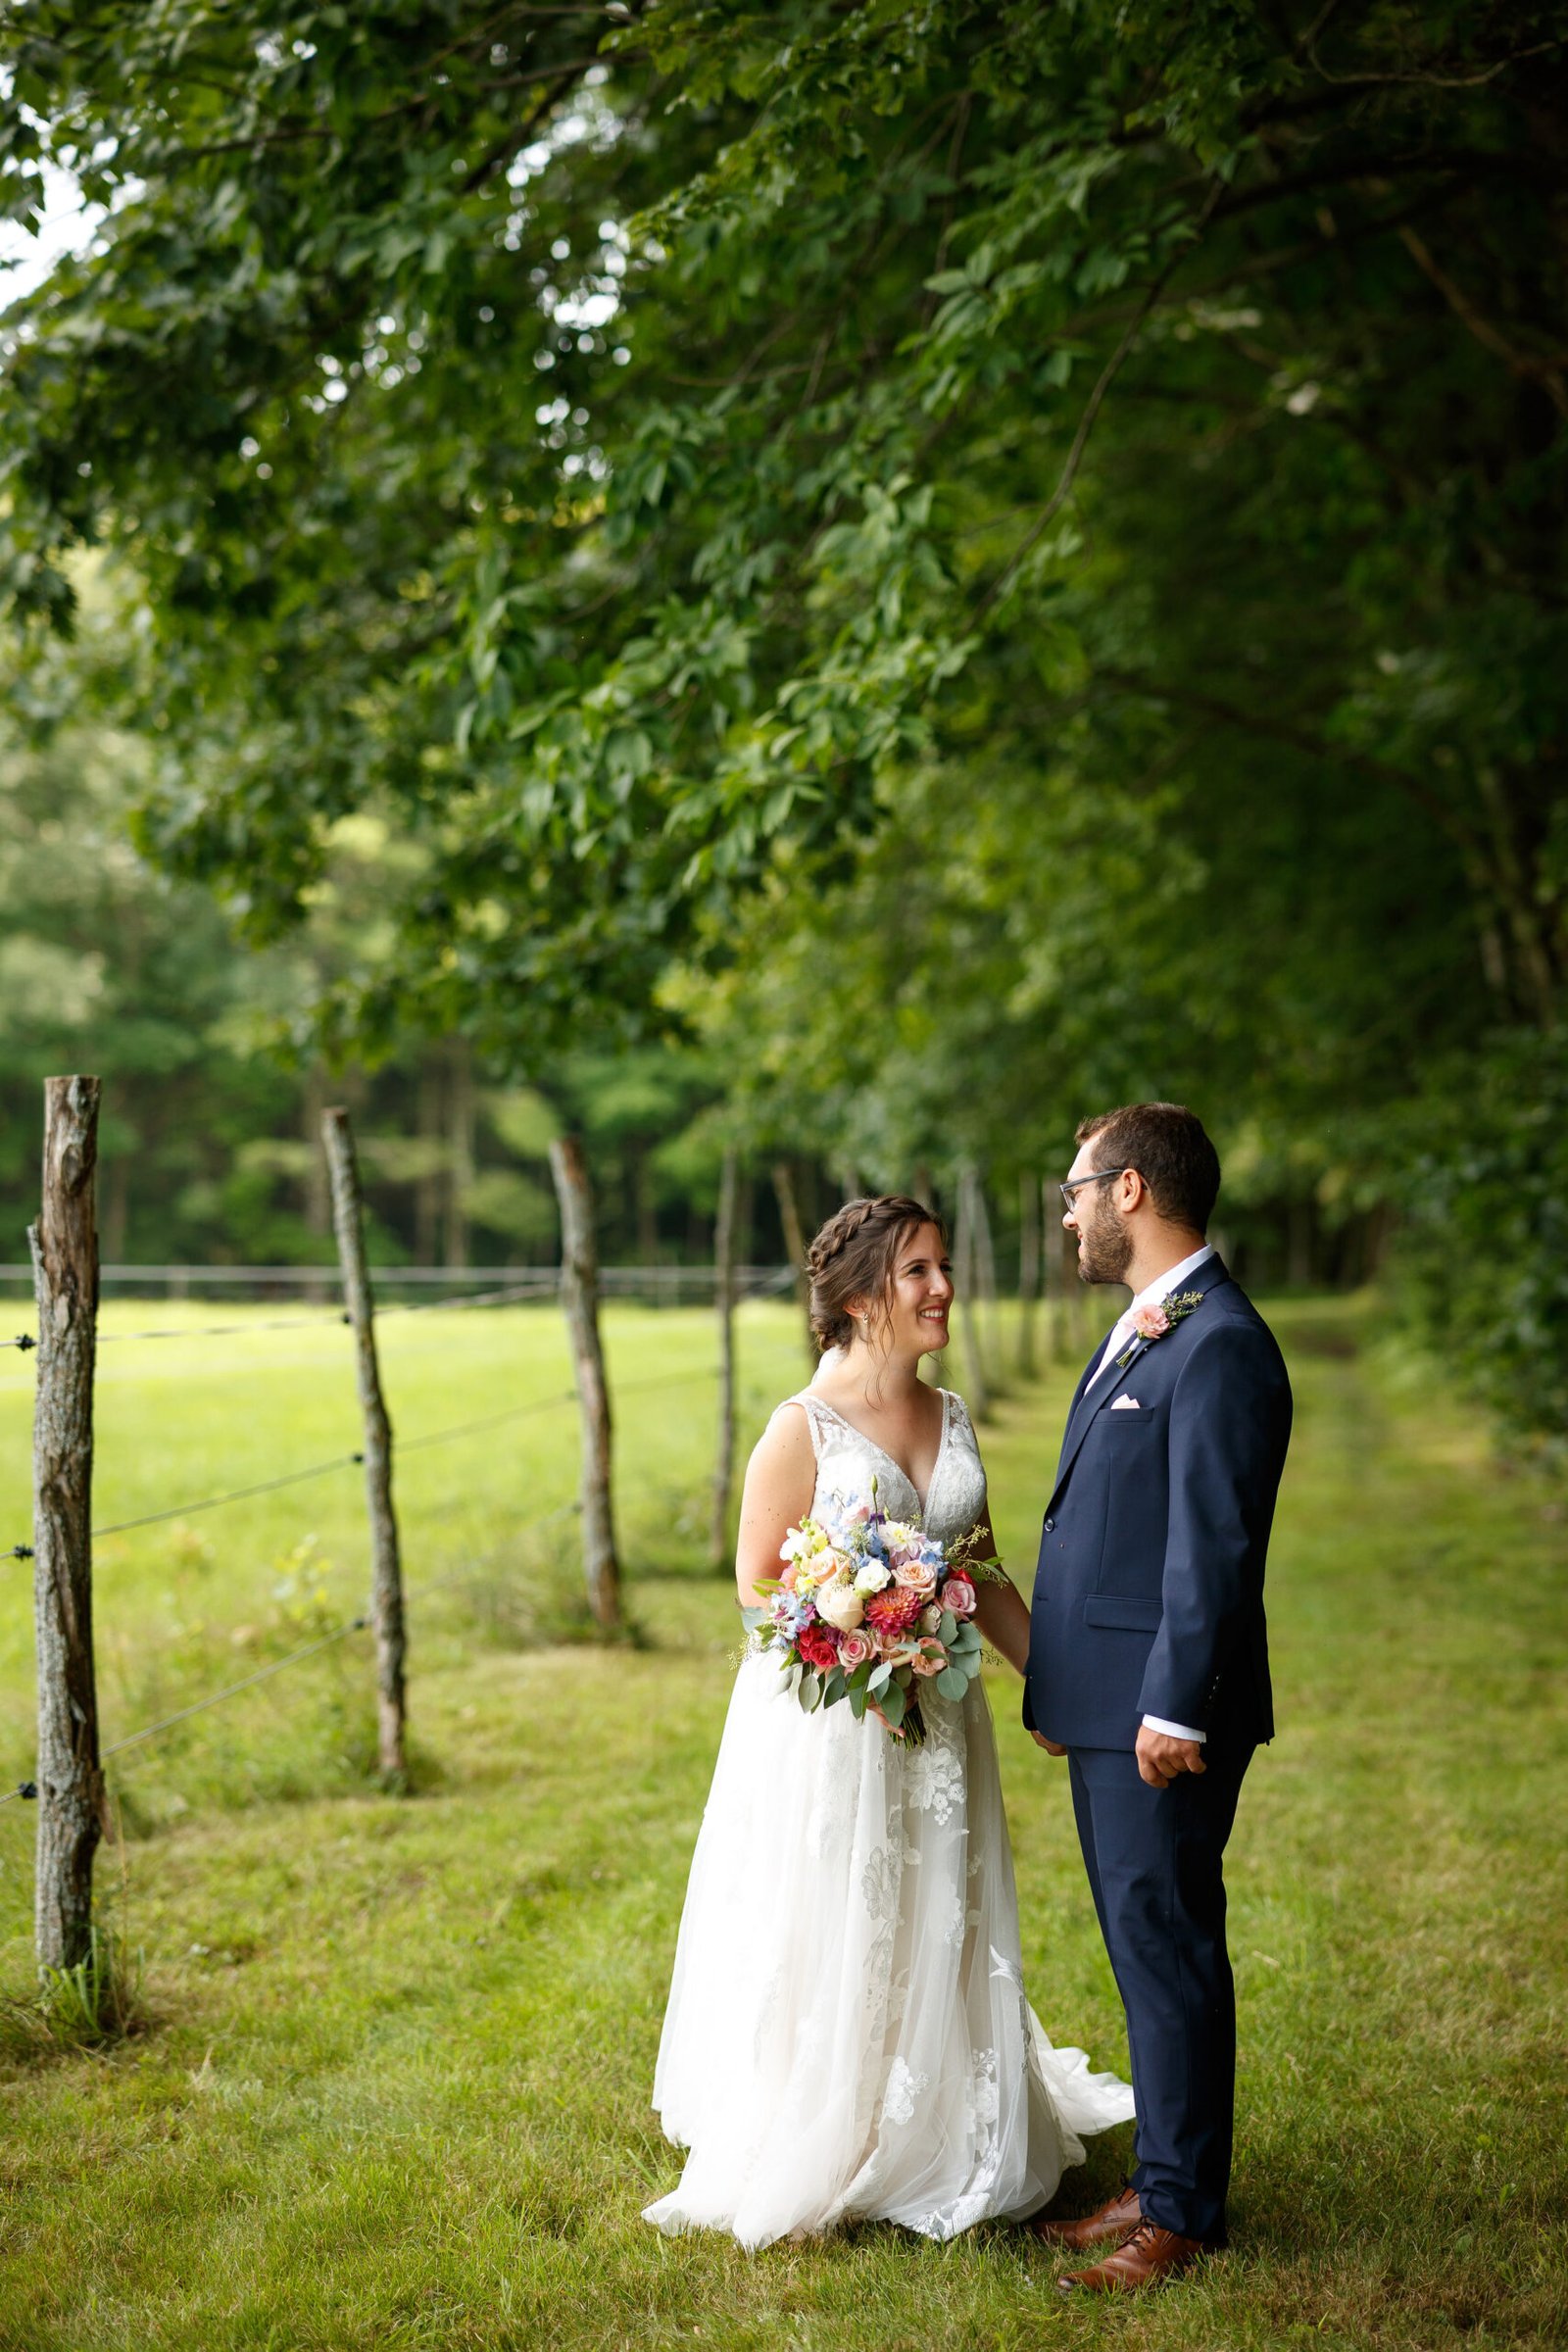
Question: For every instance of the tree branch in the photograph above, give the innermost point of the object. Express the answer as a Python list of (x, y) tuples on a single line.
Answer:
[(1274, 729)]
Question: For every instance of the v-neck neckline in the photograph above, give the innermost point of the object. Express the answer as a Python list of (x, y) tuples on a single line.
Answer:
[(924, 1500)]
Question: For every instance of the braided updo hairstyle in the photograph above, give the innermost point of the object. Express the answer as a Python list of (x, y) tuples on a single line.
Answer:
[(854, 1257)]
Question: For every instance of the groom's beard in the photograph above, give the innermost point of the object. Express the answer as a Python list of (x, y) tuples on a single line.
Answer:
[(1107, 1249)]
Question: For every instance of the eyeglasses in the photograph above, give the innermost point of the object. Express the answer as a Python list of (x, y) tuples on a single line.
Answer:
[(1075, 1184)]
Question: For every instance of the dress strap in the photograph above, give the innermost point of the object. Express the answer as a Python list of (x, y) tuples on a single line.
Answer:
[(820, 1418)]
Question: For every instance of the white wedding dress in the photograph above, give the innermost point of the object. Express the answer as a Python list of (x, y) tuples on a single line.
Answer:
[(846, 2036)]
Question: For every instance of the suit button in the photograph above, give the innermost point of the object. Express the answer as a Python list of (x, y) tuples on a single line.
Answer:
[(1050, 1526)]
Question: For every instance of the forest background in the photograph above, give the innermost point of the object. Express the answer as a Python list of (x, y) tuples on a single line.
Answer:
[(851, 581)]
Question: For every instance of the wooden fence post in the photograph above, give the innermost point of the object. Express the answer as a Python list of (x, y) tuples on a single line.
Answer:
[(579, 1296), (788, 1218), (1028, 1271), (65, 1265), (386, 1584), (724, 1309)]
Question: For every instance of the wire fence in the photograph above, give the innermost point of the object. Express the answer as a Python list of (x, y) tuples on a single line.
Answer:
[(767, 1281)]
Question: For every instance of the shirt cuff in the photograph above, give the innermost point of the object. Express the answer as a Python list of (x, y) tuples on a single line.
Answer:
[(1177, 1731)]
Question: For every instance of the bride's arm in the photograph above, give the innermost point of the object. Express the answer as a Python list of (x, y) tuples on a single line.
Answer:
[(780, 1482), (999, 1610)]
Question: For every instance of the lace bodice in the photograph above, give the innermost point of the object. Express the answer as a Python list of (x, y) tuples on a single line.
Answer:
[(847, 1461)]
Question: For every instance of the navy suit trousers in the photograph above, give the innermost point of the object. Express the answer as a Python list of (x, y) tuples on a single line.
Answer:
[(1155, 1862)]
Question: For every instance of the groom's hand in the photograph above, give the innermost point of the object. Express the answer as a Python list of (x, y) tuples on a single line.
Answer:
[(1160, 1758), (1050, 1746)]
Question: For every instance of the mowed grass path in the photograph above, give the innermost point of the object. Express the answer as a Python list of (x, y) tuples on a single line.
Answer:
[(395, 2086)]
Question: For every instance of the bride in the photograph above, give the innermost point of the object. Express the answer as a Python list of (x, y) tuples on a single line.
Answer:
[(846, 2036)]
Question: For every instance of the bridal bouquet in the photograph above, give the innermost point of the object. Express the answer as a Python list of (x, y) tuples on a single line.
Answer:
[(870, 1609)]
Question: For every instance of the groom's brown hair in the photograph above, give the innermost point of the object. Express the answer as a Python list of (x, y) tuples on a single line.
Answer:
[(1166, 1144)]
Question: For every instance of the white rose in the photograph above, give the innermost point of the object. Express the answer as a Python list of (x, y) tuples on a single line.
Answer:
[(873, 1577), (840, 1606), (930, 1619)]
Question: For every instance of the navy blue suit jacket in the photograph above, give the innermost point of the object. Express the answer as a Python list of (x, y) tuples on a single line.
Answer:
[(1149, 1597)]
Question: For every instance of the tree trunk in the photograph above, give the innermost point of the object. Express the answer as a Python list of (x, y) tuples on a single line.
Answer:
[(647, 1208), (386, 1588), (1028, 1271), (316, 1190), (724, 1309), (65, 1265), (460, 1145), (1298, 1244), (427, 1184), (579, 1296), (966, 1269), (1052, 1287), (985, 1270), (788, 1218)]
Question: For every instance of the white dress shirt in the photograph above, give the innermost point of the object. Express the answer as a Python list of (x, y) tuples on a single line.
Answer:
[(1159, 1289)]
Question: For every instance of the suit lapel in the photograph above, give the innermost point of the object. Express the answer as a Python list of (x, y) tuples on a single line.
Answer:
[(1094, 1395), (1085, 1380)]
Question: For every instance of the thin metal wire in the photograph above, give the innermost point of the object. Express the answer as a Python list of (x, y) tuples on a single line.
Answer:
[(328, 1320), (306, 1649), (210, 1502), (332, 1318), (216, 1698), (347, 1461), (464, 1429), (29, 1788)]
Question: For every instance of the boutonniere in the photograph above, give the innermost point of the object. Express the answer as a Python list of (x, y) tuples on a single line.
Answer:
[(1153, 1322)]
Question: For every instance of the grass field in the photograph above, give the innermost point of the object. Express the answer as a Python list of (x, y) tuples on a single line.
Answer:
[(393, 2087)]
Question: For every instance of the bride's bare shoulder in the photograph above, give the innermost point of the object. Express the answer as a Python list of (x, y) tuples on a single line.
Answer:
[(781, 1475)]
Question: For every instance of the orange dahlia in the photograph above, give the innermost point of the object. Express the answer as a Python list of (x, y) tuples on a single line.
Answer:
[(894, 1610)]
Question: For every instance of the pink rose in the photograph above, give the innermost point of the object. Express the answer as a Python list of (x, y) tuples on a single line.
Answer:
[(959, 1595), (1150, 1322), (929, 1657), (855, 1650)]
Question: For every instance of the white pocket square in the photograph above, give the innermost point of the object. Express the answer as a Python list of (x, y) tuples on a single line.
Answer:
[(1125, 1405)]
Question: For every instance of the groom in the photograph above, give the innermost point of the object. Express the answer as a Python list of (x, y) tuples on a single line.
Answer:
[(1149, 1660)]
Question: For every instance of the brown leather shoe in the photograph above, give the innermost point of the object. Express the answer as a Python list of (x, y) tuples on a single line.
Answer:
[(1112, 2223), (1148, 2257)]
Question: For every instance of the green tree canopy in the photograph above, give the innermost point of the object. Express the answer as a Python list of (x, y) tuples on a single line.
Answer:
[(1096, 472)]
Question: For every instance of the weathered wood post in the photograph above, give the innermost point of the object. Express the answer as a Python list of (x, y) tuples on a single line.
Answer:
[(1028, 1271), (65, 1270), (386, 1579), (788, 1218), (579, 1297), (724, 1310), (966, 1255)]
